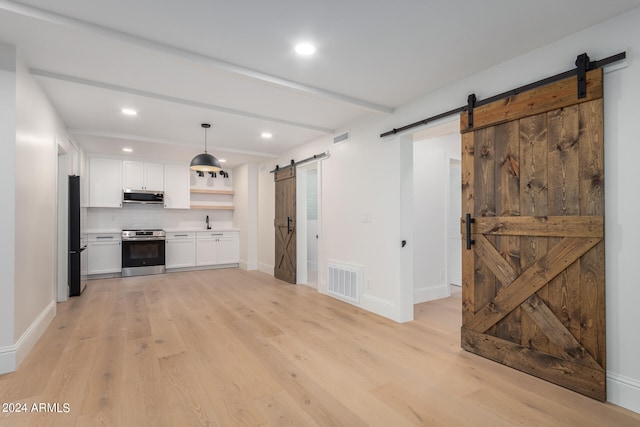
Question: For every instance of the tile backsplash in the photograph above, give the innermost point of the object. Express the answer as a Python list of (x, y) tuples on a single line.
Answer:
[(153, 216)]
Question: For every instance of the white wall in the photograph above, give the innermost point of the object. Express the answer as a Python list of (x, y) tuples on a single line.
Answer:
[(360, 225), (7, 195), (431, 176), (38, 132), (363, 176), (245, 216), (267, 212)]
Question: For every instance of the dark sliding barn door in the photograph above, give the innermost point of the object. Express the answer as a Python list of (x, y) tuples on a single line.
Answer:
[(533, 280), (285, 224)]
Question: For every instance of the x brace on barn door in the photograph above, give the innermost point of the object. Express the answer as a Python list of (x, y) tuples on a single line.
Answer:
[(583, 64)]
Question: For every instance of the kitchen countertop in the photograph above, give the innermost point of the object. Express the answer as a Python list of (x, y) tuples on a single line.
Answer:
[(102, 231), (168, 230)]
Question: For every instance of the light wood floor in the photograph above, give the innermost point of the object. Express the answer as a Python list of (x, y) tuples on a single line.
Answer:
[(230, 347)]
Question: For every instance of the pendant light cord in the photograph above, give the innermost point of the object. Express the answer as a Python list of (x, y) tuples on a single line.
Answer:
[(205, 140)]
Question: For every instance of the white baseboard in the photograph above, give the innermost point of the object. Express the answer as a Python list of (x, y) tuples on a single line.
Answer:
[(623, 391), (266, 268), (7, 359), (11, 357), (378, 306), (26, 342), (202, 267), (429, 294), (244, 265), (370, 303)]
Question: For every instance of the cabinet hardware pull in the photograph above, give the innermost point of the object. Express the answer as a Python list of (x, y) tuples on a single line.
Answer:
[(288, 225), (104, 237), (181, 235)]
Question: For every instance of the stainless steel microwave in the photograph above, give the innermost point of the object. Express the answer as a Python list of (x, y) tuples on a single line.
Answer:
[(142, 196)]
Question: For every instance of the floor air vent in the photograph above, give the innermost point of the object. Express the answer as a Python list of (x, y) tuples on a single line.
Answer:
[(344, 282)]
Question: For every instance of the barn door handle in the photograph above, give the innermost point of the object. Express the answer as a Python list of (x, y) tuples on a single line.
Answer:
[(467, 222), (288, 225)]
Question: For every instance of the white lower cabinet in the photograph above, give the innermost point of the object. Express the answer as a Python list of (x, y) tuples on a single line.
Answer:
[(180, 250), (228, 249), (206, 251), (214, 248), (104, 253)]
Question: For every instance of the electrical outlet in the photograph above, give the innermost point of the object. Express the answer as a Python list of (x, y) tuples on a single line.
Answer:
[(442, 274), (369, 284)]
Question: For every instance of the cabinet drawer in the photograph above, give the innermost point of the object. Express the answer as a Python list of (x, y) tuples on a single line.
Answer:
[(104, 237), (212, 234), (179, 235)]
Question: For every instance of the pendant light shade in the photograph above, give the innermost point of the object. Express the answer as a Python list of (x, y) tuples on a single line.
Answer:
[(205, 162)]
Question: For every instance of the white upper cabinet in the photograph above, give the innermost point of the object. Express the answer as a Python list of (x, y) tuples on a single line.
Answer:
[(176, 190), (105, 183), (142, 176)]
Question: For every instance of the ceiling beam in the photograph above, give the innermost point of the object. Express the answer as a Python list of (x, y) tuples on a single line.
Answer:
[(138, 138), (175, 100), (69, 22)]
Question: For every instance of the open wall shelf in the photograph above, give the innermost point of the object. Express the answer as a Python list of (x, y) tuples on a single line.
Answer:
[(213, 207), (203, 198), (203, 191)]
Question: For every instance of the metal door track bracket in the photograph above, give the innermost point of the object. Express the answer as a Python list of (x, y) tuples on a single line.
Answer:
[(471, 103), (583, 64)]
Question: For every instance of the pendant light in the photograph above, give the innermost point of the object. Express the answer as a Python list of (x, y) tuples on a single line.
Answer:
[(205, 162)]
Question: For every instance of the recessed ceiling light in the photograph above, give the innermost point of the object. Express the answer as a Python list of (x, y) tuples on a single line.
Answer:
[(222, 160), (305, 49), (266, 135), (127, 150), (129, 112)]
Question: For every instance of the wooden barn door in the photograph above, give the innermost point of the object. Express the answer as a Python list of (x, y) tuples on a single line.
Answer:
[(533, 278), (285, 224)]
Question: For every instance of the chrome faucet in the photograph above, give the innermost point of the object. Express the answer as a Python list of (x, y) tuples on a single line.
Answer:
[(207, 221)]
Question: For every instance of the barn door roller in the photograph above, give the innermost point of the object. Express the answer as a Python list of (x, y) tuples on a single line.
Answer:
[(583, 65), (471, 103)]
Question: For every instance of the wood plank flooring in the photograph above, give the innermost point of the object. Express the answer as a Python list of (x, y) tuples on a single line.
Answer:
[(237, 348)]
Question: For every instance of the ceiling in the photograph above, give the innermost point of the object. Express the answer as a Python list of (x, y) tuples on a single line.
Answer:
[(232, 64)]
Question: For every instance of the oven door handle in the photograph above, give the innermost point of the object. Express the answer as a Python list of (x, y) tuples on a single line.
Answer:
[(143, 239)]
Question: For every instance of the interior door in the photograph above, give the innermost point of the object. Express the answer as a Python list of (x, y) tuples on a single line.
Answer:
[(533, 261), (285, 224)]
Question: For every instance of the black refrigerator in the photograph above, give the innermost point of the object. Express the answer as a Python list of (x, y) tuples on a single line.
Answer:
[(75, 249)]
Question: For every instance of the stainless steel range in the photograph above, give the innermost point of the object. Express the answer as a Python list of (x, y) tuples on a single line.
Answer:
[(143, 252)]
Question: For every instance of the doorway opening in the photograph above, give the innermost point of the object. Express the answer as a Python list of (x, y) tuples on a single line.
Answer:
[(454, 238), (436, 212), (308, 223)]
